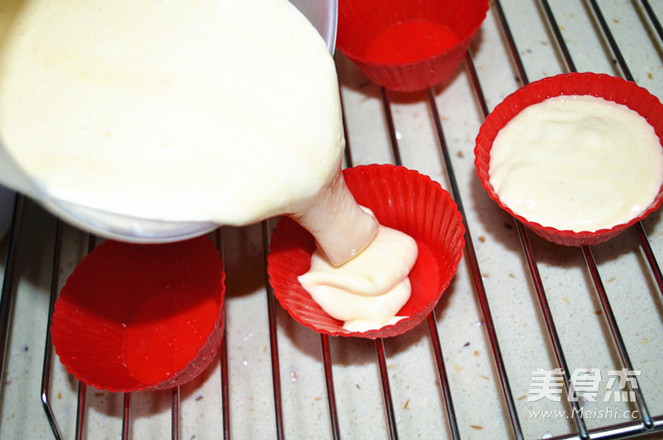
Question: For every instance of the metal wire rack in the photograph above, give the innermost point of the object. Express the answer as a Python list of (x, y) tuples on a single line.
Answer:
[(517, 304)]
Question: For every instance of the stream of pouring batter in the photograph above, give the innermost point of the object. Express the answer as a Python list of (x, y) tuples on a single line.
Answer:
[(214, 110), (219, 111)]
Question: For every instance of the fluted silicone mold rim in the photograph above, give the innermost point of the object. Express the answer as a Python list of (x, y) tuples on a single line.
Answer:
[(402, 199), (359, 22), (89, 324), (603, 86)]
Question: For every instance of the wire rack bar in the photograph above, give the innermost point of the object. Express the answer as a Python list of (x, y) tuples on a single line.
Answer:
[(329, 383), (531, 263), (379, 343), (586, 251), (126, 417), (526, 244), (610, 39), (225, 389), (510, 41), (552, 330), (612, 432), (617, 338), (616, 333), (529, 253), (48, 346), (8, 287), (476, 274), (653, 18), (561, 44), (391, 127), (80, 410), (386, 390), (552, 22), (82, 388), (175, 413), (223, 357), (435, 340), (649, 255), (273, 337), (452, 420), (642, 235)]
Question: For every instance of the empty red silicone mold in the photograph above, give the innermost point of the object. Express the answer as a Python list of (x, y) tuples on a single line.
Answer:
[(408, 45), (141, 316)]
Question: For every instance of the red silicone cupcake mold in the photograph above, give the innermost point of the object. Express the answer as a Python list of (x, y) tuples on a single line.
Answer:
[(141, 316), (408, 45), (603, 86), (402, 199)]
